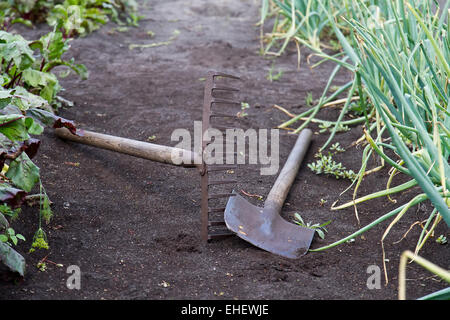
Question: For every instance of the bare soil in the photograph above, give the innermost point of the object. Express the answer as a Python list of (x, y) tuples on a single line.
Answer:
[(133, 226)]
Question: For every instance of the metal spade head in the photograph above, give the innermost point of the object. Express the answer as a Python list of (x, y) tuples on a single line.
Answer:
[(266, 229)]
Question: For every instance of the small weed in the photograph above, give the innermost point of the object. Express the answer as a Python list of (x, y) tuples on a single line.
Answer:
[(326, 165), (39, 241), (441, 239), (328, 126), (271, 77), (309, 99), (357, 109), (319, 228), (335, 45), (42, 266), (8, 211), (242, 113), (337, 148)]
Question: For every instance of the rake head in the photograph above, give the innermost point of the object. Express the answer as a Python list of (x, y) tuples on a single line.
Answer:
[(215, 188)]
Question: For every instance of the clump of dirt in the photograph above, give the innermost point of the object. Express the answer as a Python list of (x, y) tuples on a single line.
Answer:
[(132, 226)]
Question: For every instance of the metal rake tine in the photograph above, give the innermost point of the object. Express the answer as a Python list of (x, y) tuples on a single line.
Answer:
[(228, 155), (221, 195), (219, 182), (216, 223), (221, 115), (225, 75), (220, 127), (220, 234), (220, 167), (224, 88), (224, 101), (213, 210)]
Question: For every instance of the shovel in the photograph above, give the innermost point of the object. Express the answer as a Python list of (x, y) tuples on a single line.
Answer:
[(264, 227)]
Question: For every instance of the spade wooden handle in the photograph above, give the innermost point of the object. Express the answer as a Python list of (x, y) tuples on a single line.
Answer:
[(281, 187), (140, 149)]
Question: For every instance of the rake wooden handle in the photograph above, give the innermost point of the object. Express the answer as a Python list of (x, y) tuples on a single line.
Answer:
[(281, 187), (140, 149)]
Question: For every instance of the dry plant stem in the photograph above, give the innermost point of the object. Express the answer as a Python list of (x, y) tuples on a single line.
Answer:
[(299, 56), (410, 228), (376, 169), (429, 233), (396, 219), (339, 101), (284, 110), (441, 272), (251, 195)]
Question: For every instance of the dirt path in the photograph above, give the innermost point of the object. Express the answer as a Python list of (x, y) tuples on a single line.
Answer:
[(132, 226)]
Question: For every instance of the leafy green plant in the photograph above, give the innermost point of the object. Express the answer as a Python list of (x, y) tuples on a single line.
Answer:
[(28, 92), (6, 210), (302, 21), (319, 228), (26, 77), (407, 91), (420, 137), (398, 52), (10, 237), (80, 17), (72, 17)]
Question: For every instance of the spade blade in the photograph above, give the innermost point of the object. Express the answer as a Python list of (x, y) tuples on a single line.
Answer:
[(266, 229)]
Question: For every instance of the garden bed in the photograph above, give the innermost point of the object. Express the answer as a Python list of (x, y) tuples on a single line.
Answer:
[(132, 226)]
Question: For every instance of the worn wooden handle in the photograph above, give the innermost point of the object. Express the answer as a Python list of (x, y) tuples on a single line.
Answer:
[(281, 187), (140, 149)]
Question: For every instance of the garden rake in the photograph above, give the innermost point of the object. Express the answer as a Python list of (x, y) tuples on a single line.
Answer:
[(212, 221)]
